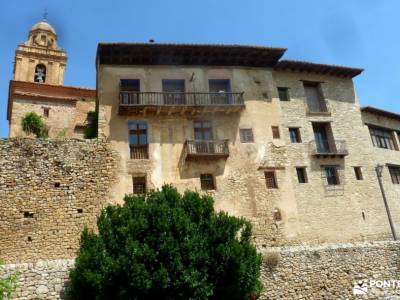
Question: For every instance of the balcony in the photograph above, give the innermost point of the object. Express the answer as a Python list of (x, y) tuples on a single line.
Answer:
[(206, 149), (133, 103), (328, 148)]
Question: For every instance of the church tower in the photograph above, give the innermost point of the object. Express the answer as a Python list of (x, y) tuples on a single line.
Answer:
[(40, 59)]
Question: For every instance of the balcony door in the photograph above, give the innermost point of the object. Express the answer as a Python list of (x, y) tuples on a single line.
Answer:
[(323, 137), (220, 90), (138, 142), (129, 90), (203, 137), (174, 91)]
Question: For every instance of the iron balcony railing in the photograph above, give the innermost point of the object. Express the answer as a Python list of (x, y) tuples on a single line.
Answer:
[(329, 147), (207, 148), (139, 151), (130, 98)]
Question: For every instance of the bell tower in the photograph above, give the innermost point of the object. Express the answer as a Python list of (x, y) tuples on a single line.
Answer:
[(40, 59)]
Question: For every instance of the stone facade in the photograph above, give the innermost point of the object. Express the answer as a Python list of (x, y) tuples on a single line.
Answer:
[(49, 191)]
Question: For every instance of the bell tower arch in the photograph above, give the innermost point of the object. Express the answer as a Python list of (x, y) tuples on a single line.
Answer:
[(40, 59)]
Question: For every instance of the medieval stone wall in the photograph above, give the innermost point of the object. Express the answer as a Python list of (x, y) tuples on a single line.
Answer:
[(50, 190)]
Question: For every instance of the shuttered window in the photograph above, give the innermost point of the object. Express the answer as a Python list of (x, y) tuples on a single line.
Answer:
[(207, 182), (275, 132), (315, 102), (139, 185), (395, 174), (270, 180)]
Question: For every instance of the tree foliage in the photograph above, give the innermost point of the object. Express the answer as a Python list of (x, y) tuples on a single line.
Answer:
[(33, 123), (167, 246), (8, 283)]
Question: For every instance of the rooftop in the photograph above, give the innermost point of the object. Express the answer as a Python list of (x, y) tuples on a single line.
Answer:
[(380, 112)]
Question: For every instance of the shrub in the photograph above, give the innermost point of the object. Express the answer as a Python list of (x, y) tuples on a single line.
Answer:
[(91, 129), (166, 246), (33, 123), (8, 284)]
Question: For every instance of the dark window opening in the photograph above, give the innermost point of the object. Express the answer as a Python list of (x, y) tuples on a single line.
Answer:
[(314, 97), (139, 185), (295, 135), (275, 132), (394, 174), (46, 112), (28, 214), (130, 89), (174, 91), (283, 93), (29, 239), (277, 215), (207, 182), (332, 175), (358, 173), (301, 175), (57, 184), (246, 135), (383, 138), (79, 210), (363, 215), (270, 180), (138, 140), (40, 73)]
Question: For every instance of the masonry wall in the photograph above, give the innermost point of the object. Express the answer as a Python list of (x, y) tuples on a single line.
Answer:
[(322, 272), (50, 190)]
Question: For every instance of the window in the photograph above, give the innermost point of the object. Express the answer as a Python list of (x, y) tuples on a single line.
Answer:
[(358, 173), (138, 140), (283, 93), (220, 89), (207, 182), (139, 185), (332, 175), (202, 130), (382, 138), (295, 135), (275, 132), (301, 174), (173, 90), (246, 135), (270, 180), (129, 89), (395, 174), (315, 101), (46, 112), (40, 73)]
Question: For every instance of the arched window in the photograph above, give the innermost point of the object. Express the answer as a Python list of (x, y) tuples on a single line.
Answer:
[(40, 73)]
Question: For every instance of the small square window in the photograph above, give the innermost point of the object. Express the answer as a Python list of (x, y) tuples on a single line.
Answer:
[(270, 180), (283, 93), (46, 112), (301, 174), (332, 175), (246, 135), (207, 182), (295, 135), (275, 132), (358, 173), (139, 185)]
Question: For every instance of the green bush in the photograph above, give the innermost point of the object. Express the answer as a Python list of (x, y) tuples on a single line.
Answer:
[(91, 129), (8, 284), (33, 123), (167, 246)]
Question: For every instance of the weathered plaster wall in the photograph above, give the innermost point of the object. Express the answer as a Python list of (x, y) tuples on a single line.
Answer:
[(50, 190)]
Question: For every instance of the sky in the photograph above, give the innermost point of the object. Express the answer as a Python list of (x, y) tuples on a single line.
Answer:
[(357, 33)]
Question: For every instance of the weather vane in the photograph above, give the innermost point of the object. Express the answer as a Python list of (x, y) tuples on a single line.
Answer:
[(45, 15)]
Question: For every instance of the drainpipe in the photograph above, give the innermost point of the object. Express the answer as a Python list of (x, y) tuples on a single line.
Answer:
[(379, 169)]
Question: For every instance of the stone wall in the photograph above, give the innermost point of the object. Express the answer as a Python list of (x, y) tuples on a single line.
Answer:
[(50, 190), (320, 272), (330, 271)]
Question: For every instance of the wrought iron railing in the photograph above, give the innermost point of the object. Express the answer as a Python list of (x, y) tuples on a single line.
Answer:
[(329, 147), (210, 147), (129, 98), (139, 151)]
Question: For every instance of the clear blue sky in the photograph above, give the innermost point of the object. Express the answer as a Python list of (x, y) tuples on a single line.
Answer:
[(360, 33)]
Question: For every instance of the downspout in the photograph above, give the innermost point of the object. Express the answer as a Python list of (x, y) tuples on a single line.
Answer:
[(379, 169)]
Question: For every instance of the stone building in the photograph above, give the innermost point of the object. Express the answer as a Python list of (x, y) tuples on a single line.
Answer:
[(38, 85), (281, 142)]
